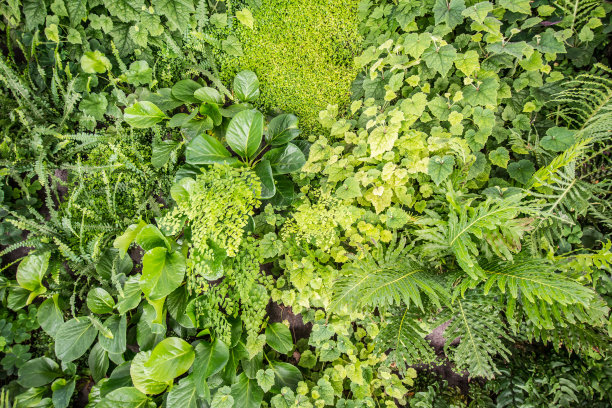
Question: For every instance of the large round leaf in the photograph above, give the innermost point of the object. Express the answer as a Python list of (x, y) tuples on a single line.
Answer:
[(245, 132), (212, 111), (100, 301), (143, 114), (169, 359), (208, 95), (32, 270), (286, 159), (283, 129), (184, 90), (151, 237), (205, 149), (162, 272), (74, 338), (264, 172), (126, 397), (279, 338), (246, 86), (38, 372), (210, 359), (141, 375), (285, 375)]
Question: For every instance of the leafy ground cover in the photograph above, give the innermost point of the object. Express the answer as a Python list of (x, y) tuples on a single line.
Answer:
[(383, 203)]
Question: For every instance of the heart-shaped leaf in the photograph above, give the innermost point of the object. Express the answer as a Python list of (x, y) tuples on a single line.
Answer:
[(162, 272)]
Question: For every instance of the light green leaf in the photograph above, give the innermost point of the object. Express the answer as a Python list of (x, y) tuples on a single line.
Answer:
[(131, 295), (265, 379), (245, 132), (449, 12), (482, 94), (415, 44), (31, 271), (100, 301), (94, 62), (500, 157), (184, 91), (74, 338), (439, 168), (141, 375), (246, 86), (74, 37), (478, 11), (143, 114), (50, 316), (232, 46), (279, 337), (516, 6), (123, 241), (126, 397), (245, 17), (440, 59), (468, 62), (350, 189), (381, 140), (162, 272), (151, 237), (171, 358), (208, 95), (94, 105), (139, 73), (223, 398)]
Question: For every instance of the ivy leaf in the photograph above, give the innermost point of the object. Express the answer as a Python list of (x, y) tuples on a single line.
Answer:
[(143, 114), (94, 62), (516, 6), (482, 94), (223, 398), (245, 17), (415, 44), (171, 358), (94, 105), (500, 157), (349, 189), (449, 12), (74, 37), (279, 337), (35, 12), (558, 139), (467, 62), (74, 338), (478, 11), (139, 73), (232, 46), (440, 59), (177, 12), (439, 168), (265, 379), (162, 272), (246, 86), (521, 171)]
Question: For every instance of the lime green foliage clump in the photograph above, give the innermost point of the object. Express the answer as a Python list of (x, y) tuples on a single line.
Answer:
[(302, 52)]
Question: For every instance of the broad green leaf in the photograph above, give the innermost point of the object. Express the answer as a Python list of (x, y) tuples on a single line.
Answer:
[(246, 392), (482, 94), (162, 272), (178, 12), (184, 91), (285, 193), (143, 114), (94, 62), (381, 140), (124, 10), (100, 301), (31, 271), (245, 132), (478, 11), (141, 375), (264, 172), (223, 398), (516, 6), (558, 139), (94, 105), (126, 397), (196, 127), (182, 189), (468, 62), (284, 160), (50, 316), (231, 45), (279, 337), (139, 73), (151, 237), (35, 12), (350, 189), (415, 44), (118, 327), (123, 241), (282, 129), (245, 17), (212, 111), (183, 395), (38, 372), (161, 152), (62, 392), (440, 59), (210, 358), (98, 362), (285, 375), (131, 295), (265, 379), (74, 338), (170, 358), (208, 95), (533, 62), (246, 86), (449, 12), (521, 171), (439, 168), (500, 157)]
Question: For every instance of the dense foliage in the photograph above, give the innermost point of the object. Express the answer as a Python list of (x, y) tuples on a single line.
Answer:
[(247, 203)]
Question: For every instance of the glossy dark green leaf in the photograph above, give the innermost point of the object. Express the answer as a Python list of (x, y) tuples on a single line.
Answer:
[(212, 111), (74, 338), (98, 362), (285, 193), (246, 86), (38, 372), (162, 151), (245, 132), (126, 397), (210, 359), (208, 95), (284, 160), (278, 336), (283, 129), (285, 375), (205, 149), (183, 395), (151, 237), (264, 172), (184, 90), (100, 301), (50, 316)]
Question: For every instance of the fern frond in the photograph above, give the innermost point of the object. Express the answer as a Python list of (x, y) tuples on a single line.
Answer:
[(404, 340), (476, 321), (385, 277)]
